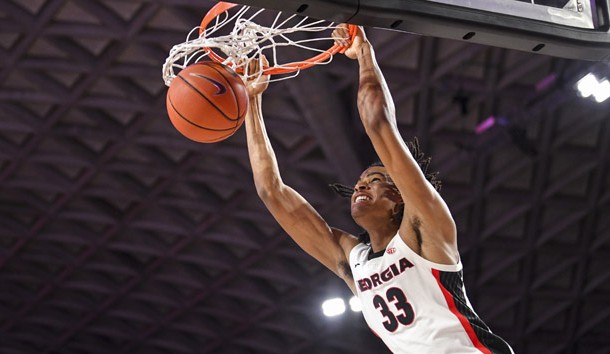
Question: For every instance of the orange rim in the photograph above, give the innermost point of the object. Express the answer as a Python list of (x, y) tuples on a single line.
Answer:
[(221, 7)]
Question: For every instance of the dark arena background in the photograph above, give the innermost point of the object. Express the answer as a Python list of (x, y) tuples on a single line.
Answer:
[(119, 235)]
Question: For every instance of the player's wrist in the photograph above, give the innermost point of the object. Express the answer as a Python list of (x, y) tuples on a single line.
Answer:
[(364, 50), (255, 99)]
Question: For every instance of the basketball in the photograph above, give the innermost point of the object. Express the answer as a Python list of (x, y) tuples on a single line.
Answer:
[(207, 102)]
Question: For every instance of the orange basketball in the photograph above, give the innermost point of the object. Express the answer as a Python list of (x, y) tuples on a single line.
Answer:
[(207, 102)]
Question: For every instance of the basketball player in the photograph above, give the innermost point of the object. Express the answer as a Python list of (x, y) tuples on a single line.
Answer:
[(408, 275)]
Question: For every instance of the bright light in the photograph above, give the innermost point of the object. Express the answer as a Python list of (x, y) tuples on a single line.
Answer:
[(587, 85), (355, 304), (603, 91), (333, 307), (590, 85)]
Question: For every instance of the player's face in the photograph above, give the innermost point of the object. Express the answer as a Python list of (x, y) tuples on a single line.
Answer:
[(374, 191)]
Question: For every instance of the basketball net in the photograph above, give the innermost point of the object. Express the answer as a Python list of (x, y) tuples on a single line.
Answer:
[(247, 40)]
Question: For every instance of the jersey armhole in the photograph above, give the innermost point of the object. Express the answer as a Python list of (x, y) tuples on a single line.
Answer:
[(442, 267), (354, 253)]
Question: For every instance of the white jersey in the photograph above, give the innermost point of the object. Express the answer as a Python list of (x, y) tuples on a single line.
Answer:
[(417, 306)]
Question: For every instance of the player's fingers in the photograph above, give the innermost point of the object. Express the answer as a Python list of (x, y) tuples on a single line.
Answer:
[(251, 66), (336, 35), (264, 60), (341, 36), (256, 65)]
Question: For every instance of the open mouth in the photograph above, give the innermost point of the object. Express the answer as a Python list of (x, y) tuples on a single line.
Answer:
[(362, 198)]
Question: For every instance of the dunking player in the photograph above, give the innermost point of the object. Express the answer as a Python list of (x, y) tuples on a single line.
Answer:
[(406, 270)]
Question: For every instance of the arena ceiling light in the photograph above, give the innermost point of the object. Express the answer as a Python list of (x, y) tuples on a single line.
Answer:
[(590, 85), (355, 304), (333, 307), (336, 306)]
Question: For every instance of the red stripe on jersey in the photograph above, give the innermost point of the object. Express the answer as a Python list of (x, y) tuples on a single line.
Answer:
[(463, 320)]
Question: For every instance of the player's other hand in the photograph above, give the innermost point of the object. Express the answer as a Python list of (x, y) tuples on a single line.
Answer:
[(342, 38), (257, 81)]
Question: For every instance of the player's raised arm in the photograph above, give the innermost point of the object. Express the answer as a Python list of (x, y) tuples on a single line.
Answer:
[(296, 216), (427, 226)]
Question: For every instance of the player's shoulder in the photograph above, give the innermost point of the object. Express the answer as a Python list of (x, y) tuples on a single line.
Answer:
[(346, 240)]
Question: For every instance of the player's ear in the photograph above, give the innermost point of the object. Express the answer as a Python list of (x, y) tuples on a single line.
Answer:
[(398, 212), (400, 206), (395, 196)]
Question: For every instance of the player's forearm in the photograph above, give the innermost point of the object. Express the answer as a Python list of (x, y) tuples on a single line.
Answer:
[(262, 158), (375, 102)]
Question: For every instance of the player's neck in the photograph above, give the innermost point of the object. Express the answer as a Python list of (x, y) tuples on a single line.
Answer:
[(381, 236)]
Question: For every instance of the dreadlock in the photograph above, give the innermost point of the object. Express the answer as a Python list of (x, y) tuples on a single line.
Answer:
[(342, 189), (422, 160)]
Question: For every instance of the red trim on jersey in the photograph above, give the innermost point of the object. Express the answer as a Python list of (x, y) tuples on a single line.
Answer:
[(463, 320)]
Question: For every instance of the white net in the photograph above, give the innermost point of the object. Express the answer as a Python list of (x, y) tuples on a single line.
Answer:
[(234, 39)]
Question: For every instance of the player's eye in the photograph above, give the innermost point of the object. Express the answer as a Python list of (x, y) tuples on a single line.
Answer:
[(375, 180)]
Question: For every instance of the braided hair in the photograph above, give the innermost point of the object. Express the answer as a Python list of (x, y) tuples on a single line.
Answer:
[(422, 160)]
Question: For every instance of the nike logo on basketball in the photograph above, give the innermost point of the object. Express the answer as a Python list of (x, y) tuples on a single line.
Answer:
[(220, 87)]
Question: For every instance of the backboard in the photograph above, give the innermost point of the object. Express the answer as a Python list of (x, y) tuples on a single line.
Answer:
[(577, 29)]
